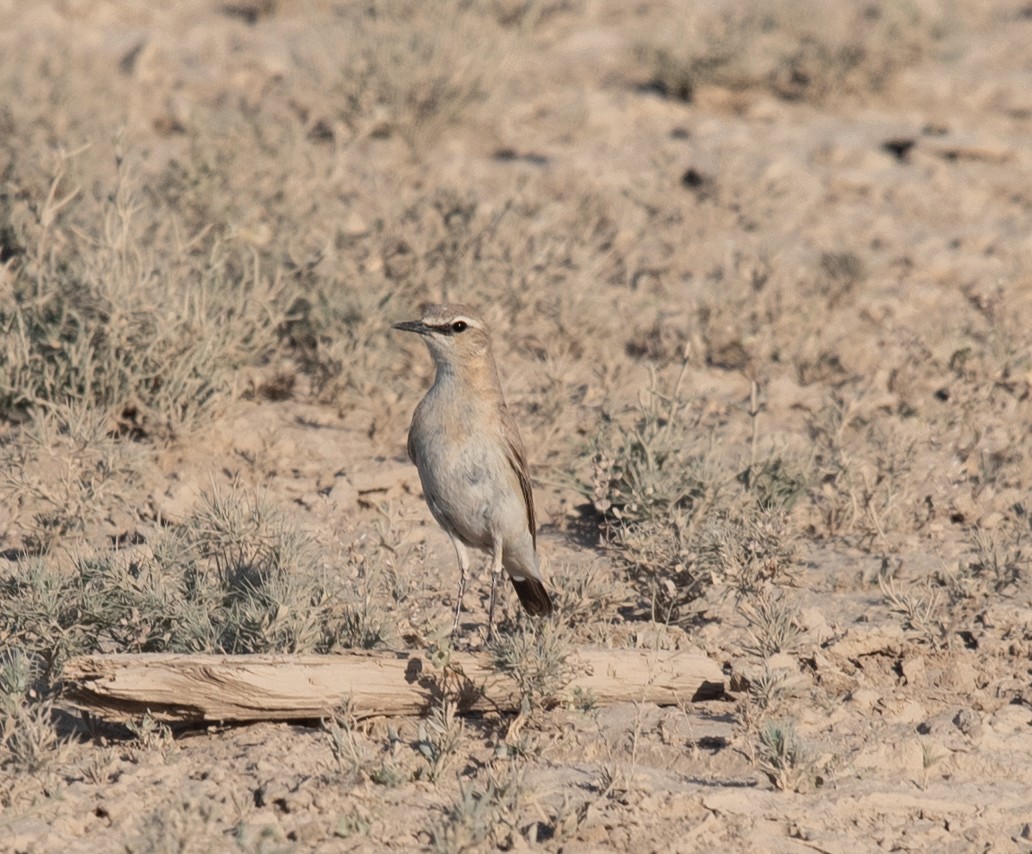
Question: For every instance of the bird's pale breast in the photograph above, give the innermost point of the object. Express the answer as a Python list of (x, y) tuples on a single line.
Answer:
[(466, 476)]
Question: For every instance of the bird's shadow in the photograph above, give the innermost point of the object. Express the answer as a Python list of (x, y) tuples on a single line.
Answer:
[(587, 528)]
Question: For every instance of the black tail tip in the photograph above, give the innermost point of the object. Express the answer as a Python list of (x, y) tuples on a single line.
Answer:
[(533, 597)]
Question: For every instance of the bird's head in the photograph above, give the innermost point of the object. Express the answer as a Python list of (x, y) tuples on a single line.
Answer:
[(455, 335)]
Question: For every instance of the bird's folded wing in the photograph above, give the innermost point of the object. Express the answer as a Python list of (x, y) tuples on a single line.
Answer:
[(518, 461)]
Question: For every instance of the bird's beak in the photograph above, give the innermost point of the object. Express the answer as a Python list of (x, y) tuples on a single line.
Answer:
[(416, 326)]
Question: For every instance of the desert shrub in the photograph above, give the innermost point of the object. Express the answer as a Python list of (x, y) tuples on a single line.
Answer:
[(786, 759), (439, 738), (775, 483), (678, 516), (42, 614), (789, 50), (149, 340), (61, 472), (941, 609), (861, 489), (486, 814), (659, 557), (999, 559), (920, 610), (772, 623), (748, 548), (650, 484), (581, 594), (28, 740), (411, 68), (234, 578), (648, 466)]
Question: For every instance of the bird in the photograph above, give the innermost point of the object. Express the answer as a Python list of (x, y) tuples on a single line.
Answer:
[(471, 459)]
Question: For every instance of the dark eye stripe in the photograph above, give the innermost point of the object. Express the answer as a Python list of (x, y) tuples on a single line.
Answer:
[(452, 328)]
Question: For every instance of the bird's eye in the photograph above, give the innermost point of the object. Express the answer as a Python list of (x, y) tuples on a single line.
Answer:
[(459, 326)]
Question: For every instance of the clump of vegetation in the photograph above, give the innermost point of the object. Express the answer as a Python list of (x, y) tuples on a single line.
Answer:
[(861, 488), (940, 609), (783, 49), (62, 472), (355, 755), (440, 737), (235, 578), (999, 560), (680, 521), (183, 825), (581, 594), (149, 342), (748, 550), (772, 624), (649, 485), (28, 741), (485, 813), (412, 71), (650, 466), (919, 609), (785, 758), (537, 656)]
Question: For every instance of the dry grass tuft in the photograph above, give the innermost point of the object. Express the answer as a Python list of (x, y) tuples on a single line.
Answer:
[(148, 340)]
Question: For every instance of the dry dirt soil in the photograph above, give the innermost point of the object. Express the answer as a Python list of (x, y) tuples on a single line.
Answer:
[(786, 250)]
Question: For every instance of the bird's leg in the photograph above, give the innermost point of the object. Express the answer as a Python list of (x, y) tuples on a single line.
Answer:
[(496, 571), (463, 556)]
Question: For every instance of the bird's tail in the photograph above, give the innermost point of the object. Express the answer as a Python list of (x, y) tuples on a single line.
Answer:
[(533, 596)]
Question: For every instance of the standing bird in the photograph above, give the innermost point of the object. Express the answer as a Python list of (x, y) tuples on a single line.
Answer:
[(470, 457)]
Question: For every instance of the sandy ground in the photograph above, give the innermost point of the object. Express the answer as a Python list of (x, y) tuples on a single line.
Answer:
[(913, 735)]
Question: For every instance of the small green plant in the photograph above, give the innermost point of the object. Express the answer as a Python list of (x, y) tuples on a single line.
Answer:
[(584, 700), (484, 815), (783, 756), (537, 656), (439, 737), (350, 751), (151, 734), (920, 611), (772, 622), (769, 690), (747, 549), (29, 742)]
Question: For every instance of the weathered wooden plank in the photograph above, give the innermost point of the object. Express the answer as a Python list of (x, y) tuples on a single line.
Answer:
[(201, 688)]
